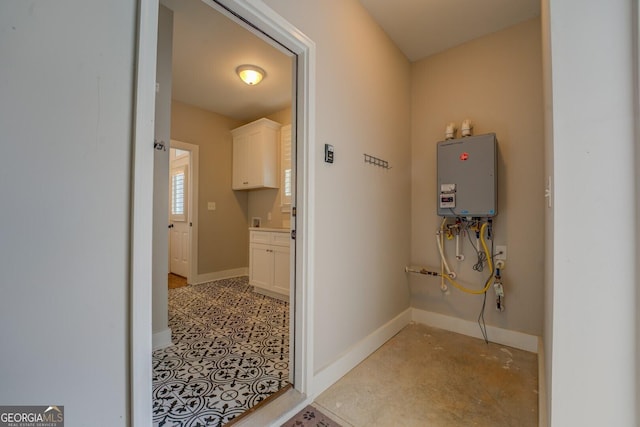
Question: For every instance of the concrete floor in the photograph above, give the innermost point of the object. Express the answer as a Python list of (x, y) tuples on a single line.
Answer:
[(430, 377)]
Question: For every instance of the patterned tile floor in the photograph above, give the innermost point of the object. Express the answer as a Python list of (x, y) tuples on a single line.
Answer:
[(230, 352)]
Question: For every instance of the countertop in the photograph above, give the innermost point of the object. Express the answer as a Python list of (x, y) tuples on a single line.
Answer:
[(277, 230)]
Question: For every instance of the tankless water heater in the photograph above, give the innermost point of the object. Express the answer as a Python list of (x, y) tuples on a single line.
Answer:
[(467, 177)]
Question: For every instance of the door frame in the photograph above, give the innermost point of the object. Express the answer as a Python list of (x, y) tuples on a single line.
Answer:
[(192, 202), (264, 22)]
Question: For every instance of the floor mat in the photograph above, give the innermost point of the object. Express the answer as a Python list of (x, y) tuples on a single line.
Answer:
[(310, 417)]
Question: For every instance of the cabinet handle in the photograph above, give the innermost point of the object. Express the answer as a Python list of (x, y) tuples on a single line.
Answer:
[(245, 183)]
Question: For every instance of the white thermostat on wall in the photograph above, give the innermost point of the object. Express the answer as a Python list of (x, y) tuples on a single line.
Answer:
[(328, 153)]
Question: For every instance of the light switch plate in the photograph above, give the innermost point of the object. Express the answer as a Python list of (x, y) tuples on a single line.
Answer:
[(211, 206)]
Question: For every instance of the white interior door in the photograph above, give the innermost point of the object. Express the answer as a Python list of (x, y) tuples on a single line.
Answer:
[(179, 227)]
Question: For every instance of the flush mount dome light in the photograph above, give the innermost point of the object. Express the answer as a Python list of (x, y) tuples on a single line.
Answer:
[(250, 74)]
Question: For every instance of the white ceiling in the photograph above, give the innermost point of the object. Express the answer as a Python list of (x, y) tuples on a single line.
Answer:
[(207, 47), (423, 27)]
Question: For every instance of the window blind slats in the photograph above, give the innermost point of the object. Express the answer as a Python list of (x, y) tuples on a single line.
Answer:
[(285, 164)]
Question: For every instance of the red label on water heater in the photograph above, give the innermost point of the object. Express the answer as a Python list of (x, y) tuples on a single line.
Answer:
[(464, 156)]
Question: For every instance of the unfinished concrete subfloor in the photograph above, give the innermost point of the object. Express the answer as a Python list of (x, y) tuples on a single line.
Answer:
[(430, 377)]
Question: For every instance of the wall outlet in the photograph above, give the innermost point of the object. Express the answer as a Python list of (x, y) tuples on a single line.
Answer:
[(500, 253)]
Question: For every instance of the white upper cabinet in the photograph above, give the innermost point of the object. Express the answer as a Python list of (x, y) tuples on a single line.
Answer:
[(255, 155)]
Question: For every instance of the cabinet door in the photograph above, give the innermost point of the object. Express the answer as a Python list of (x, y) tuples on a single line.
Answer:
[(255, 161), (240, 162), (266, 157), (261, 268), (281, 272)]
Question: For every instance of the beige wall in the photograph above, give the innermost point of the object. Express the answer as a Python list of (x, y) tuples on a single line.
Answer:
[(283, 116), (263, 202), (361, 213), (595, 270), (496, 81), (222, 234), (66, 117)]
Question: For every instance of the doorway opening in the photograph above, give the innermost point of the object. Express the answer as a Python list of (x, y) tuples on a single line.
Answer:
[(233, 342), (183, 213), (179, 212), (303, 124)]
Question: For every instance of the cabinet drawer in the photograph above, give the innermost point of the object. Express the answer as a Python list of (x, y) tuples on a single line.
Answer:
[(260, 237), (269, 238), (280, 239)]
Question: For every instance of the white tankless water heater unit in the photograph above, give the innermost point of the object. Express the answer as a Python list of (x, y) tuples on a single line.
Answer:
[(467, 177)]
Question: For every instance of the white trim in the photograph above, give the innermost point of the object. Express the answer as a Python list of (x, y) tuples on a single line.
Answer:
[(263, 17), (256, 12), (356, 354), (218, 275), (272, 294), (141, 212), (278, 411), (162, 339), (192, 275), (497, 335), (542, 386)]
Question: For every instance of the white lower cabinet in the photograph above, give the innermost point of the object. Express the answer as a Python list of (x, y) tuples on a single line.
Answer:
[(269, 261)]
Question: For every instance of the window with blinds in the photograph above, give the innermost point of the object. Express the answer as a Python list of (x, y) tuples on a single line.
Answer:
[(286, 170), (178, 194)]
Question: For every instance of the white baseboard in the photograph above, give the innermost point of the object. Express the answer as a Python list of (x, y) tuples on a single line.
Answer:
[(497, 335), (218, 275), (161, 339), (276, 295), (356, 354)]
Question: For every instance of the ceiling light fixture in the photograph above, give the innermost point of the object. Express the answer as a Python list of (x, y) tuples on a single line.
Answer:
[(250, 74)]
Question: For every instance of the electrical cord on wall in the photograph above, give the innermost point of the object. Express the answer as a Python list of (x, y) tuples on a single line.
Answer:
[(479, 266), (481, 322), (482, 257)]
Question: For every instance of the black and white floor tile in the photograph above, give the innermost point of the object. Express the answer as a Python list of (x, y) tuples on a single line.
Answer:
[(230, 352)]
